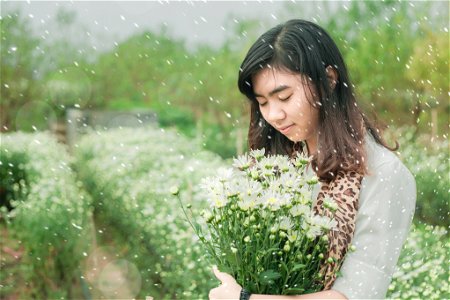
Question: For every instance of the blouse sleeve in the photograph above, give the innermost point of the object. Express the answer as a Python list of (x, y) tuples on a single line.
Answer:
[(387, 204)]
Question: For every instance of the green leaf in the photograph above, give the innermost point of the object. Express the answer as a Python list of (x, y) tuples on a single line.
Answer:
[(298, 267), (294, 291), (268, 277)]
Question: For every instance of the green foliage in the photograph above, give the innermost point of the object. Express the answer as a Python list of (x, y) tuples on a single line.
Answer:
[(428, 161), (422, 270), (50, 214), (131, 171), (126, 173), (392, 49), (19, 59), (13, 180)]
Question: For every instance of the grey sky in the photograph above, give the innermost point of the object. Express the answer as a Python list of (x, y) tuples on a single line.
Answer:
[(196, 22)]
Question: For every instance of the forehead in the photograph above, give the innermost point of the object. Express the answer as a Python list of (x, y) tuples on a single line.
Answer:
[(268, 79)]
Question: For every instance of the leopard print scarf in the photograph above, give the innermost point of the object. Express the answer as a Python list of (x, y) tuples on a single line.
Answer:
[(344, 190)]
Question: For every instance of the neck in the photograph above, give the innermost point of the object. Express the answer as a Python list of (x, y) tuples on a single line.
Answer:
[(311, 146)]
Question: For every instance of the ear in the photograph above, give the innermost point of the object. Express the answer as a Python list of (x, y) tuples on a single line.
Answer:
[(332, 76)]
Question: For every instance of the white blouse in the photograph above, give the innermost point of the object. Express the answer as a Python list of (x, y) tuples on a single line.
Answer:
[(386, 207)]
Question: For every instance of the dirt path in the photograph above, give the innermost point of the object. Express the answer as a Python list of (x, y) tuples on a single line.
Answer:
[(106, 273)]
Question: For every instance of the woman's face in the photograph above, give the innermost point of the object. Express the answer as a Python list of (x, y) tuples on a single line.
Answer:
[(283, 99)]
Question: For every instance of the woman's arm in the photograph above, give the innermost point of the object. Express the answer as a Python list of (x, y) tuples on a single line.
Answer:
[(330, 294), (230, 289), (387, 201)]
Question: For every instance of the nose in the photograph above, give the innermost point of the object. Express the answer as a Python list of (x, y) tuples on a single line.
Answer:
[(274, 112)]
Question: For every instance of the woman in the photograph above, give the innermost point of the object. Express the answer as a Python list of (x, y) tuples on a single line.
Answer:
[(301, 99)]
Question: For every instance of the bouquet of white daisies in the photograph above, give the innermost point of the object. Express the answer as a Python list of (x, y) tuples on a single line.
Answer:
[(261, 228)]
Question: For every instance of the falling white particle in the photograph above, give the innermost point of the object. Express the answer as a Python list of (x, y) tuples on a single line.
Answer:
[(76, 226), (122, 17)]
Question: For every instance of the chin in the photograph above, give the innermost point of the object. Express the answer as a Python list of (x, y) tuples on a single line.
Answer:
[(295, 138)]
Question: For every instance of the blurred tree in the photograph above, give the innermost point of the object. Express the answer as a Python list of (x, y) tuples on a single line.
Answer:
[(375, 38), (20, 64), (428, 69), (67, 62), (378, 41)]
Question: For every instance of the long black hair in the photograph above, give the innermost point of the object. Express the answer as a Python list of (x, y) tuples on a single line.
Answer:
[(302, 47)]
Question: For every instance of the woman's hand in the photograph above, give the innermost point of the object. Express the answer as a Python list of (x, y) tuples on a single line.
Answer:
[(229, 289)]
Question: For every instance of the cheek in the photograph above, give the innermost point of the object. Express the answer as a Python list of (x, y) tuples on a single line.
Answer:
[(263, 112)]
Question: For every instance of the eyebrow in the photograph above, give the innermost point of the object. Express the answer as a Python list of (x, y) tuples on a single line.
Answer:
[(276, 90)]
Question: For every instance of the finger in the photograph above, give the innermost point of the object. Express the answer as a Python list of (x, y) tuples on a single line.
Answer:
[(223, 277)]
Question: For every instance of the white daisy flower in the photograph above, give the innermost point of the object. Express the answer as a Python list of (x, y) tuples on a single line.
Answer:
[(242, 162), (274, 201), (285, 223), (257, 154), (225, 174), (323, 222), (312, 231), (300, 210), (293, 235), (329, 203)]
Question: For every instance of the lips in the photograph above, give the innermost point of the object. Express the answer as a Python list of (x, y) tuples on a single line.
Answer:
[(285, 130)]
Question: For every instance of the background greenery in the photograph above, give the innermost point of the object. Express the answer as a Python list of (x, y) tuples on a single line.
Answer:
[(397, 54)]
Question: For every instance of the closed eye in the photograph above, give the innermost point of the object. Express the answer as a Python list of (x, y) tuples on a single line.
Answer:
[(285, 99)]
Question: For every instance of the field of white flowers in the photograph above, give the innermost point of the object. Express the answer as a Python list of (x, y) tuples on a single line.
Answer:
[(51, 212), (128, 174)]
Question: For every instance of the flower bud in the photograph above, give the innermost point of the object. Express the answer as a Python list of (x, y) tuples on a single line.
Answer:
[(299, 256), (330, 260), (174, 190), (352, 248), (280, 253), (287, 248), (283, 234), (325, 238), (321, 256), (247, 239), (252, 218), (312, 180), (208, 216), (308, 257), (272, 237)]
